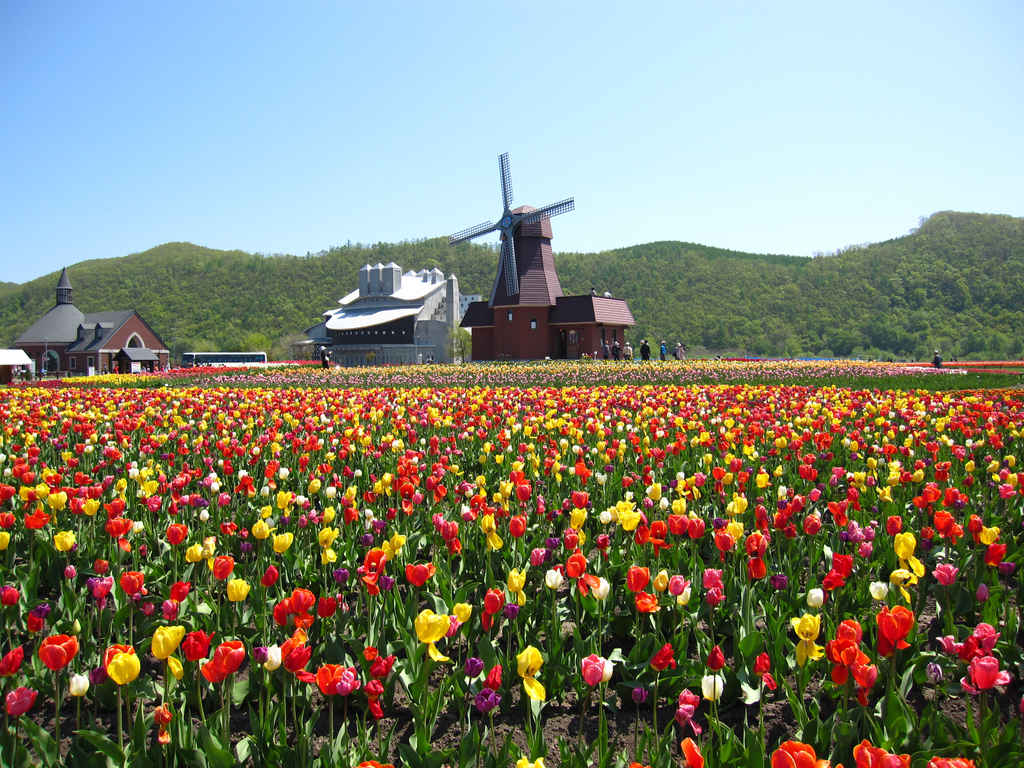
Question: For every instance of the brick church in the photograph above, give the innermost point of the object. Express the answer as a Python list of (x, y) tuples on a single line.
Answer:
[(68, 341)]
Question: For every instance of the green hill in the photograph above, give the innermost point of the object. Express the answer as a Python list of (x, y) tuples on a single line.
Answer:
[(957, 283)]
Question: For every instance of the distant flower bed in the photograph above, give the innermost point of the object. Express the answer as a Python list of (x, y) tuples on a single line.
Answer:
[(554, 373)]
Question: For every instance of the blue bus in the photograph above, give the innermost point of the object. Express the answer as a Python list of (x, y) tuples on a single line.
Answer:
[(192, 359)]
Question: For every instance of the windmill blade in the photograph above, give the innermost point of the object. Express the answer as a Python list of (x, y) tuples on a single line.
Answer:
[(471, 232), (549, 210), (508, 254), (506, 181)]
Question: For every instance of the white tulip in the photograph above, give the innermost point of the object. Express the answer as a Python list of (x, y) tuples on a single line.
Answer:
[(273, 658), (553, 579), (815, 598), (879, 590), (712, 686), (602, 589), (79, 685)]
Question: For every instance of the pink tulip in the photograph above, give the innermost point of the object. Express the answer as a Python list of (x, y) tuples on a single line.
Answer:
[(945, 574), (985, 674), (596, 670)]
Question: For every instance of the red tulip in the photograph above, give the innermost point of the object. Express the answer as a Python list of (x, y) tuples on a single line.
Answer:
[(196, 645), (893, 628), (57, 651), (223, 565), (716, 659), (11, 662), (132, 582), (270, 576), (664, 658), (637, 578), (227, 658), (9, 596), (176, 533), (20, 700)]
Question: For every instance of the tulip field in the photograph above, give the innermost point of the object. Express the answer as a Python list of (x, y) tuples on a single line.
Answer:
[(296, 567)]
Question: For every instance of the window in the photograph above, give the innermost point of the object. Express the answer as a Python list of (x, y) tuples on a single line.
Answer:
[(572, 337), (533, 323), (90, 362), (509, 316), (73, 363)]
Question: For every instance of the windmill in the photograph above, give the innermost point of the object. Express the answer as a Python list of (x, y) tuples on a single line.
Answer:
[(509, 225)]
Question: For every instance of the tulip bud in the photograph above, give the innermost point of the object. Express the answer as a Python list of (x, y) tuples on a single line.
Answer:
[(879, 590), (982, 593)]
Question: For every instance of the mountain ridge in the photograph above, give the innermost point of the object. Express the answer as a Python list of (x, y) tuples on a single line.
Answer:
[(956, 282)]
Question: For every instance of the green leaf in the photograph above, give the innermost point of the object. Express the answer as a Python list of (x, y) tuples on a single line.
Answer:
[(103, 744), (216, 755), (45, 745), (243, 749), (239, 690), (750, 695)]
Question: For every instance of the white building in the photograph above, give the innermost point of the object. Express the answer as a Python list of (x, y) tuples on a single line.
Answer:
[(392, 318)]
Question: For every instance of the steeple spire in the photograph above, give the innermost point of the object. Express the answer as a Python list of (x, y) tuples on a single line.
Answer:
[(64, 288)]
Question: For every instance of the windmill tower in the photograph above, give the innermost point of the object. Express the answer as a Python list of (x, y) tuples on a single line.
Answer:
[(526, 268), (516, 320)]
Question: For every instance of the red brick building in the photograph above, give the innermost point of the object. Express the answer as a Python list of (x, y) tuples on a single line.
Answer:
[(539, 320), (68, 341)]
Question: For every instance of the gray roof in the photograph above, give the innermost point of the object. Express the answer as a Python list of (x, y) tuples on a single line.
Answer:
[(138, 354), (60, 324), (65, 282)]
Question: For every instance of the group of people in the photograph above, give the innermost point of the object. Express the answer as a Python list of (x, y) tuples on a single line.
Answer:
[(616, 351)]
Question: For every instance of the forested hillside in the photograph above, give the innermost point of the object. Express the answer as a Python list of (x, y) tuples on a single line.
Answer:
[(957, 283)]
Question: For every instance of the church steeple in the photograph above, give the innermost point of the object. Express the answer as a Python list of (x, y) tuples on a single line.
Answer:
[(64, 288)]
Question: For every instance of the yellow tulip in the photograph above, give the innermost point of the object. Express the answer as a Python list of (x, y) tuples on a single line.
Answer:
[(260, 530), (166, 640), (92, 506), (528, 664), (327, 536), (522, 762), (123, 668), (194, 553), (431, 627), (904, 544), (462, 612), (282, 541), (314, 486), (5, 540), (393, 546), (902, 578), (57, 501), (660, 582), (807, 628), (64, 541), (175, 667), (284, 500), (238, 590), (516, 581)]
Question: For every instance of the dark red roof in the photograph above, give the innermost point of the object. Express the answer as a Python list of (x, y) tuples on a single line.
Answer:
[(591, 309), (478, 314)]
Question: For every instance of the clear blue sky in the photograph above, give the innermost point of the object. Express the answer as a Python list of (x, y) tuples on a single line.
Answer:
[(294, 127)]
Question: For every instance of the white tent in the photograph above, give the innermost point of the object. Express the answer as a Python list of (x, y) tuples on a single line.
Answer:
[(14, 357)]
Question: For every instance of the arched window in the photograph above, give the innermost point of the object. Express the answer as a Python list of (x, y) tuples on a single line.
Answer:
[(135, 342)]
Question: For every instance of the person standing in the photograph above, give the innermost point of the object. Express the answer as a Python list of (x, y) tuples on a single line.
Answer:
[(627, 351), (645, 350), (325, 357), (663, 351)]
